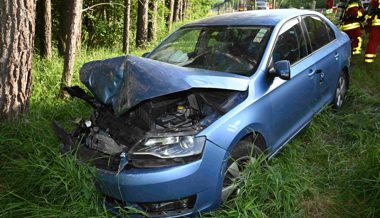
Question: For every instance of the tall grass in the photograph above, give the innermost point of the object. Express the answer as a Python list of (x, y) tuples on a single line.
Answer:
[(35, 179), (332, 169)]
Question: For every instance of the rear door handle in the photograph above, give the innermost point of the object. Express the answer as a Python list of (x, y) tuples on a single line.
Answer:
[(336, 56), (311, 73)]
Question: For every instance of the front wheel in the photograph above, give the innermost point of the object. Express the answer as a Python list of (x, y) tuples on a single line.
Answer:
[(340, 92), (243, 154)]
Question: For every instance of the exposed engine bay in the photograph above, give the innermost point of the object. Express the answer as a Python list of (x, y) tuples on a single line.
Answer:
[(147, 113), (106, 140)]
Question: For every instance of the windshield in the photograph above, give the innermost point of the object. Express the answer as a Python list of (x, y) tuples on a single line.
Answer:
[(226, 49)]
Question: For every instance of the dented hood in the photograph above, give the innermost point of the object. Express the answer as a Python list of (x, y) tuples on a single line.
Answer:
[(125, 81)]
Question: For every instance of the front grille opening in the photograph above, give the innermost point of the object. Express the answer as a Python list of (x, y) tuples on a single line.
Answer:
[(174, 207), (180, 205)]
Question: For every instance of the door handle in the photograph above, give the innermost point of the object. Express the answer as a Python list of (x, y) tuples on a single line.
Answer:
[(336, 56), (311, 73)]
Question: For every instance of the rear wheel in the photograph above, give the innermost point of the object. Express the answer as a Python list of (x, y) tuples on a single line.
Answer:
[(243, 154), (340, 92)]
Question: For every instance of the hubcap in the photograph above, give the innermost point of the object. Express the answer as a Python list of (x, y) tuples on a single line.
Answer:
[(340, 92), (233, 175)]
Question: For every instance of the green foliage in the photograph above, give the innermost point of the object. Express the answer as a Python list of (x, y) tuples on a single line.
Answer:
[(295, 3), (200, 8), (102, 25), (35, 180), (300, 3)]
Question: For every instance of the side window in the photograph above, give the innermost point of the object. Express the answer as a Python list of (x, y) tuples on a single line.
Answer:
[(317, 31), (291, 44), (331, 32)]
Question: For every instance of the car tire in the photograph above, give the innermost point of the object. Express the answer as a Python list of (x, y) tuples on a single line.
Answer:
[(340, 92), (245, 152)]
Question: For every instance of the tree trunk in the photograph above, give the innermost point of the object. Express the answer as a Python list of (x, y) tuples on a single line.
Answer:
[(71, 46), (127, 24), (47, 29), (171, 15), (152, 26), (79, 36), (184, 8), (142, 23), (64, 19), (176, 10), (180, 4), (89, 24), (17, 26)]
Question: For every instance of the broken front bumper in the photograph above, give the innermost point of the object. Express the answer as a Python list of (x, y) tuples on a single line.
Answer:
[(197, 184), (201, 180)]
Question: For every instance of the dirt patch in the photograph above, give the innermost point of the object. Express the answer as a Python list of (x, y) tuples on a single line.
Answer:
[(318, 207)]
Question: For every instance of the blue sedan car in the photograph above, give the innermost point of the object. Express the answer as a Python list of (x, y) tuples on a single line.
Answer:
[(171, 132)]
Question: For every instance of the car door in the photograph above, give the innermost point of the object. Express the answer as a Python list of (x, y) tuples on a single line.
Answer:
[(291, 100), (325, 52)]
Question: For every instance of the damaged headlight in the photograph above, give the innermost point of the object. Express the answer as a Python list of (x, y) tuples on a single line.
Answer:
[(165, 151)]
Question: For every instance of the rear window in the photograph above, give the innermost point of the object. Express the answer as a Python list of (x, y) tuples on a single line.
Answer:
[(319, 35), (291, 44)]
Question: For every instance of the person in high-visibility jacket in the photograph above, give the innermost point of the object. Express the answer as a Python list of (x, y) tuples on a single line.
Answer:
[(373, 22), (351, 19)]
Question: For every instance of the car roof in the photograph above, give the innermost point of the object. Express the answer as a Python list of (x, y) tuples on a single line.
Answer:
[(250, 18)]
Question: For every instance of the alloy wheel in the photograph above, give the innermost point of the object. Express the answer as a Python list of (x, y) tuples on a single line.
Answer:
[(233, 175), (340, 91)]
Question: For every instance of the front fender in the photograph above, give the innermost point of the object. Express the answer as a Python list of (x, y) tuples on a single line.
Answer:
[(248, 117)]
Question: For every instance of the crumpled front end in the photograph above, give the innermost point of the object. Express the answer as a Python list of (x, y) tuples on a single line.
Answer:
[(125, 81), (152, 155), (105, 139)]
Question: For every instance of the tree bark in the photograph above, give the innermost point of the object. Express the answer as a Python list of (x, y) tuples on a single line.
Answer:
[(17, 29), (180, 3), (79, 35), (171, 15), (71, 46), (64, 19), (152, 25), (47, 29), (142, 23), (89, 23), (176, 11), (184, 8), (127, 24)]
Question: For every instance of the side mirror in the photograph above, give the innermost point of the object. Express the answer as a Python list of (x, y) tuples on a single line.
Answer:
[(281, 69), (145, 54)]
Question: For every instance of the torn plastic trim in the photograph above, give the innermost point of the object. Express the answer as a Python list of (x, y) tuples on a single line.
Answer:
[(71, 144), (65, 137), (125, 81), (76, 91)]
